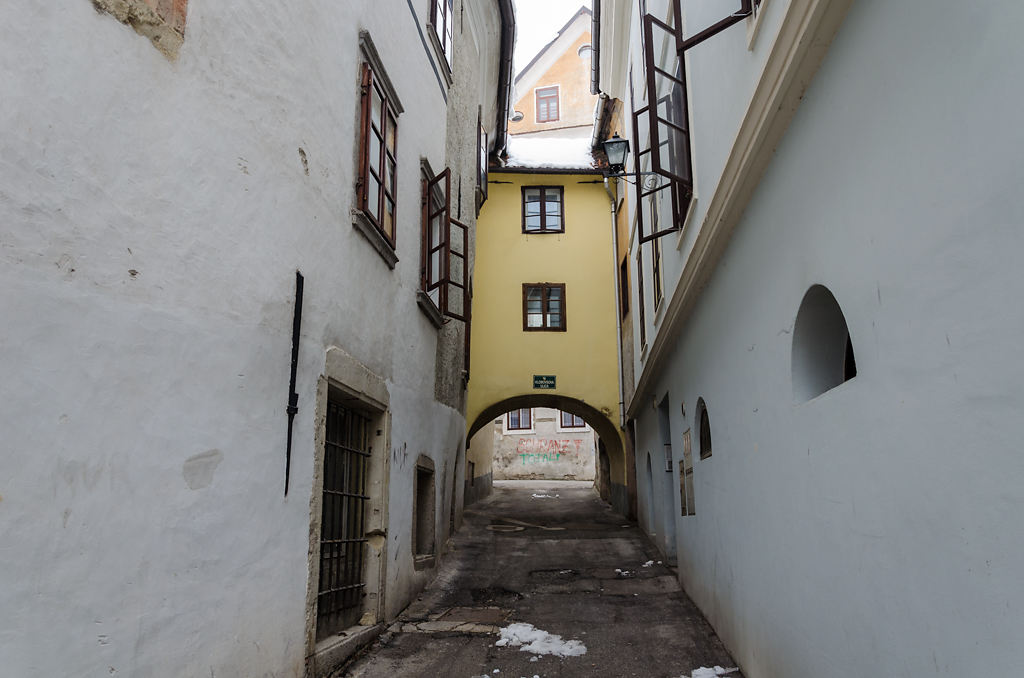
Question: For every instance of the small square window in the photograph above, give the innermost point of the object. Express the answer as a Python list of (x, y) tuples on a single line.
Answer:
[(543, 307), (543, 209)]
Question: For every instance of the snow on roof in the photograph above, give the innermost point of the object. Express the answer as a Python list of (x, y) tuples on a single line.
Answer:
[(549, 152)]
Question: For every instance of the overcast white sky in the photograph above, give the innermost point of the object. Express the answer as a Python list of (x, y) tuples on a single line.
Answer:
[(537, 24)]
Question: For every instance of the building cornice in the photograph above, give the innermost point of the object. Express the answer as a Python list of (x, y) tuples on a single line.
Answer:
[(803, 40)]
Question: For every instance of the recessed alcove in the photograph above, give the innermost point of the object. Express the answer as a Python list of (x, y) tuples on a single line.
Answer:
[(823, 355)]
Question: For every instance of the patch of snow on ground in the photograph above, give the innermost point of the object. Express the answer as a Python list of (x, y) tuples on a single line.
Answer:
[(552, 152), (648, 563), (544, 496), (704, 672), (531, 639)]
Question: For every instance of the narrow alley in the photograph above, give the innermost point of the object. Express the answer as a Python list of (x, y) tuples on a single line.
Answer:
[(552, 555)]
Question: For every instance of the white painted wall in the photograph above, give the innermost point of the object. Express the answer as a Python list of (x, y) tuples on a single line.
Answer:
[(873, 530), (152, 216)]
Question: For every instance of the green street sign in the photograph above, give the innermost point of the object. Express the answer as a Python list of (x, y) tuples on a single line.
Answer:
[(544, 381)]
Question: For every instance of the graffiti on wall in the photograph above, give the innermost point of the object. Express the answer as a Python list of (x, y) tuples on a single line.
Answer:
[(538, 451)]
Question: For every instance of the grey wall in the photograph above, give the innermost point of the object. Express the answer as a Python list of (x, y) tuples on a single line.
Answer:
[(153, 216), (875, 529)]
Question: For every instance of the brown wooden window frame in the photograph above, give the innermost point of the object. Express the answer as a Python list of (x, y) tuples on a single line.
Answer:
[(443, 277), (572, 418), (543, 212), (657, 282), (641, 311), (544, 93), (518, 426), (384, 174), (666, 116), (624, 286), (482, 143), (441, 17), (545, 288)]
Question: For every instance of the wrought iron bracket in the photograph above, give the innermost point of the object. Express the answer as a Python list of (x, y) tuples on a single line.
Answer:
[(647, 180)]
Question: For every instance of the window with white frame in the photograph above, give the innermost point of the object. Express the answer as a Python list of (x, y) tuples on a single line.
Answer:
[(519, 420)]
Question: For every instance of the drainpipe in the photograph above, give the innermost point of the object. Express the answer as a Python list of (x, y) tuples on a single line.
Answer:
[(618, 297)]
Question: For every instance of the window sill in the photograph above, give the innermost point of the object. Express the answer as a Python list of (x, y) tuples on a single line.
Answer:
[(362, 223), (659, 311), (690, 211), (754, 26), (429, 309), (446, 70), (423, 562)]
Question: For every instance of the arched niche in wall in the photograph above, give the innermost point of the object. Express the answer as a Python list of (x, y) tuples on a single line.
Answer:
[(822, 356), (703, 429)]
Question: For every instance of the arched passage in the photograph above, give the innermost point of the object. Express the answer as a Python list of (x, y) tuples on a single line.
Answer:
[(609, 434)]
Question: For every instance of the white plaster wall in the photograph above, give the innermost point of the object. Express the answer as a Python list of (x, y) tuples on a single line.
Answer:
[(873, 530), (152, 216), (548, 451)]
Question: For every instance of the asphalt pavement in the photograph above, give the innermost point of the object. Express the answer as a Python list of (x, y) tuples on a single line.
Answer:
[(553, 556)]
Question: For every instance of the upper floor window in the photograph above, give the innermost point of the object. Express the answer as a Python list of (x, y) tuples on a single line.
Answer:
[(519, 420), (656, 277), (544, 307), (377, 163), (543, 209), (547, 104), (569, 420), (640, 309), (445, 244), (624, 286), (481, 161), (441, 17)]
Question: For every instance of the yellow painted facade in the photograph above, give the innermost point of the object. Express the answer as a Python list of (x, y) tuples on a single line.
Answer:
[(583, 358)]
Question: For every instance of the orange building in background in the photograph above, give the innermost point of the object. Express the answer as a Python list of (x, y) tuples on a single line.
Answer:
[(552, 92)]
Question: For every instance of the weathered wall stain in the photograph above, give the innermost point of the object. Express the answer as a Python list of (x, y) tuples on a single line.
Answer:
[(198, 469)]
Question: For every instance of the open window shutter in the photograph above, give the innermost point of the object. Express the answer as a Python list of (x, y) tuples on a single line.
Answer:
[(647, 192), (364, 138), (437, 214), (745, 10), (455, 295), (666, 95)]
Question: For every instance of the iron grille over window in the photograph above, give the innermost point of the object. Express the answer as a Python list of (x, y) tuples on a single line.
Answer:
[(343, 519), (445, 244), (547, 104), (377, 156), (544, 307), (543, 209)]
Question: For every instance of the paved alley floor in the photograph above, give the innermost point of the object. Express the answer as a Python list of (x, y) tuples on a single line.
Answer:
[(551, 555)]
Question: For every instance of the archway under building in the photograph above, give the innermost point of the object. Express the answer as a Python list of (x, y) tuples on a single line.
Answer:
[(610, 478)]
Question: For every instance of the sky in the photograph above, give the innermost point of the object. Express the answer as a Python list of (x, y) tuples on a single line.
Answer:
[(537, 24)]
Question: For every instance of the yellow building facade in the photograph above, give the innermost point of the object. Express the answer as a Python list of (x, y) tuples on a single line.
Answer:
[(511, 361)]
